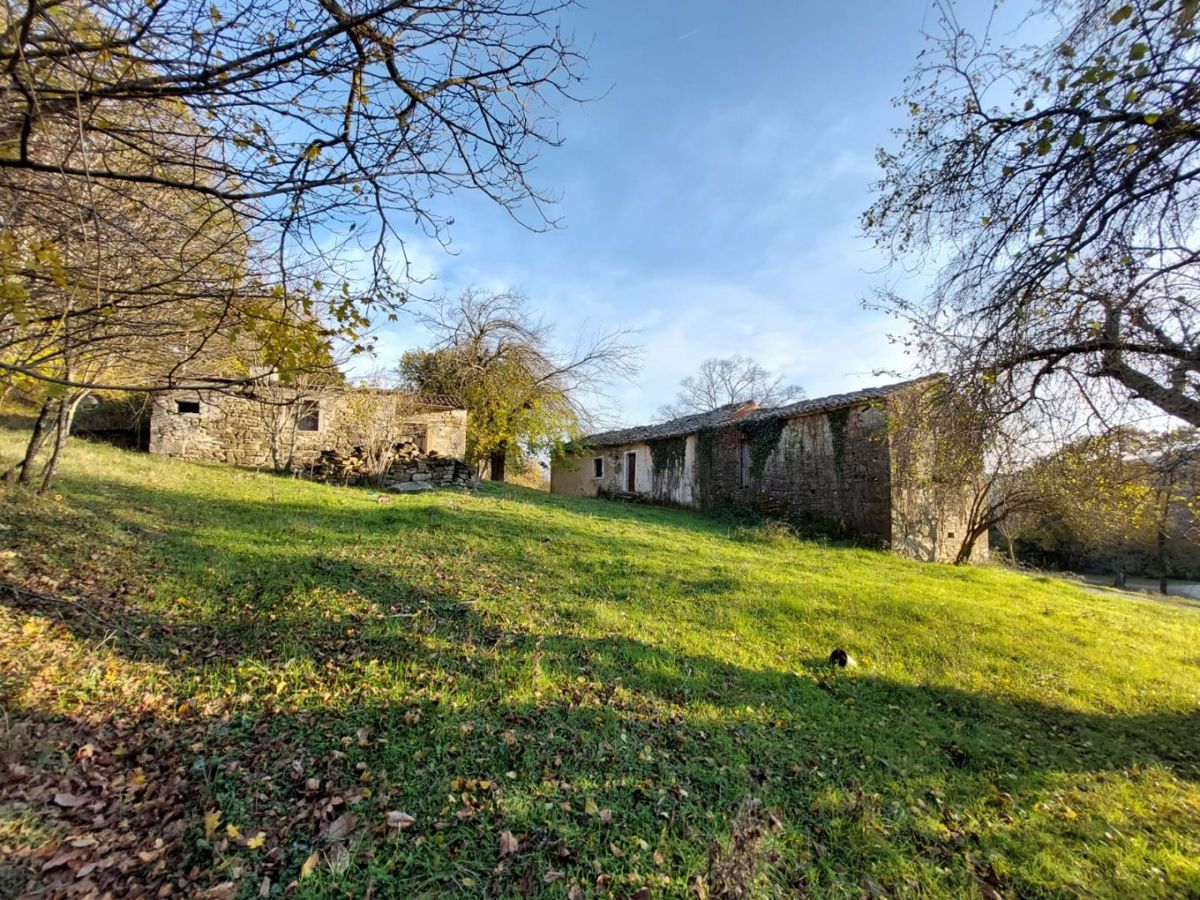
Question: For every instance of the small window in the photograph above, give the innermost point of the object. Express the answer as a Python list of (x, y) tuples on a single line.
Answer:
[(598, 467), (308, 417), (745, 466), (187, 407)]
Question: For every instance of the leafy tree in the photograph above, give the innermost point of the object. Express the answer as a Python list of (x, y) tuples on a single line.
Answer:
[(523, 396), (1119, 496), (1058, 185), (734, 379)]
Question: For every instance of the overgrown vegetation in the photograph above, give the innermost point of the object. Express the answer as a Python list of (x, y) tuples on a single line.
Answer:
[(668, 454), (763, 437), (246, 685)]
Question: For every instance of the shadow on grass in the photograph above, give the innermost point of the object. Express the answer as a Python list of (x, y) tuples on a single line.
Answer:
[(672, 741)]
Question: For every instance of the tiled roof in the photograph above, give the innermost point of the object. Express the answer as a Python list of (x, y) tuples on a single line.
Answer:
[(722, 415), (834, 401), (735, 412)]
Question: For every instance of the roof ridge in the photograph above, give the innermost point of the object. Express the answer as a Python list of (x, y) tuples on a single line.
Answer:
[(722, 415)]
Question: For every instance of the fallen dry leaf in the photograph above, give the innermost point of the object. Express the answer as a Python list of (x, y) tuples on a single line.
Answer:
[(341, 826), (553, 876), (400, 820), (590, 807), (257, 841), (575, 893), (69, 801), (508, 844), (339, 859), (606, 816)]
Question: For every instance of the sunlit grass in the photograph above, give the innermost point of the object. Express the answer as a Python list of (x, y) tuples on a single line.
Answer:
[(622, 679)]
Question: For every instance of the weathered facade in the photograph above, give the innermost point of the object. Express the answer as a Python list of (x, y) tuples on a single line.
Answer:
[(826, 462), (272, 426)]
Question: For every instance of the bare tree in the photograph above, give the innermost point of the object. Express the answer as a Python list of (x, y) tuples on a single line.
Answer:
[(306, 132), (185, 186), (1057, 186), (733, 379), (523, 394)]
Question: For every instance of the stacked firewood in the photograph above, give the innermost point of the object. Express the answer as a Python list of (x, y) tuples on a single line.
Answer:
[(339, 467), (350, 466)]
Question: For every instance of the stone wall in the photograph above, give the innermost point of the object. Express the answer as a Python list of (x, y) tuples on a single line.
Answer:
[(832, 471), (246, 429), (673, 486), (420, 474), (828, 470)]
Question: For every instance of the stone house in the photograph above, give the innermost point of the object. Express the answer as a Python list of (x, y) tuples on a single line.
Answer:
[(270, 425), (828, 463)]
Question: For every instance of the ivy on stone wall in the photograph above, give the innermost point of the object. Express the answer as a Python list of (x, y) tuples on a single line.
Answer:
[(763, 437), (838, 419), (667, 454), (706, 464)]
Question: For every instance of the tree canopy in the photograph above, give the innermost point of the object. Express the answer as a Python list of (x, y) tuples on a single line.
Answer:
[(1057, 187), (523, 395), (196, 194)]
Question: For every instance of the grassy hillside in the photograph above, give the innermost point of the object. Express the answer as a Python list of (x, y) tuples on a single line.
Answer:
[(219, 679)]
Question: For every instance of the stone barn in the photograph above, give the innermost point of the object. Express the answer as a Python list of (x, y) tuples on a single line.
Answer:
[(324, 433), (827, 463)]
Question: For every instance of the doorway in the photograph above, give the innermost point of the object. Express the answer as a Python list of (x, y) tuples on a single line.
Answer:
[(630, 472)]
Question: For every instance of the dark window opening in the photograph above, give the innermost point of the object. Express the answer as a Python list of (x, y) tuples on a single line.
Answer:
[(308, 418), (950, 534), (187, 407), (598, 467)]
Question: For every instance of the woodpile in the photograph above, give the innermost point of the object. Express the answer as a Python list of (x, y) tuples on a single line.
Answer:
[(407, 464)]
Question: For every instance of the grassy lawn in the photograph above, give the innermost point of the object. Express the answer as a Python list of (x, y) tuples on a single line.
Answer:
[(221, 683)]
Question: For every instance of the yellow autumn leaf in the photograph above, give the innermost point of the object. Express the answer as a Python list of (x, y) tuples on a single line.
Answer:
[(211, 821), (233, 832), (590, 807), (310, 865), (257, 841)]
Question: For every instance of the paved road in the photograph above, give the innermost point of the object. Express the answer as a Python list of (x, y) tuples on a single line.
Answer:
[(1189, 589)]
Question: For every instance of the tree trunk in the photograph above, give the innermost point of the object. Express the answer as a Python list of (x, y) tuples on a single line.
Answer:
[(968, 544), (496, 463), (1160, 544), (66, 415), (23, 469), (1119, 581)]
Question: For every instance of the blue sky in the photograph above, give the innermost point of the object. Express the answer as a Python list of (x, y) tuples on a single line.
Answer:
[(710, 197)]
